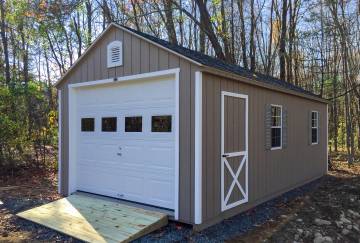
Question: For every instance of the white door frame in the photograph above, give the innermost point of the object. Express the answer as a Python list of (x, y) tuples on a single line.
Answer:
[(245, 159), (72, 88)]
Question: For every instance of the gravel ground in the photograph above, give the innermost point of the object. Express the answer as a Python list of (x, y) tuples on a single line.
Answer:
[(325, 210), (237, 225)]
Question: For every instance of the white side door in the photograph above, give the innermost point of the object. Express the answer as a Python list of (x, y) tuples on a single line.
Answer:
[(234, 149)]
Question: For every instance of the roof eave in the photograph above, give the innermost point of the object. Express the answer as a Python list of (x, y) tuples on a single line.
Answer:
[(218, 72)]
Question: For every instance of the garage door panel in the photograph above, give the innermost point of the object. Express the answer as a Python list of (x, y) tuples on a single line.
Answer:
[(136, 166), (92, 184), (91, 151), (161, 157), (133, 186), (134, 92)]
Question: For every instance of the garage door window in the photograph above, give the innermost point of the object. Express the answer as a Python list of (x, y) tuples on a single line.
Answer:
[(133, 124), (87, 124), (161, 123), (108, 124)]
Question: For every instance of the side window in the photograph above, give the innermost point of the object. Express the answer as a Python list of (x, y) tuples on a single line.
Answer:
[(314, 127), (161, 123), (108, 124), (87, 124), (276, 126), (133, 124)]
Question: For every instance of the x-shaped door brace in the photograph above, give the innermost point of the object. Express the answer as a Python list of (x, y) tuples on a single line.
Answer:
[(235, 178)]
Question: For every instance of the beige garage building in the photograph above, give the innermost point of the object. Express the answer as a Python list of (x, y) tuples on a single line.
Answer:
[(155, 124)]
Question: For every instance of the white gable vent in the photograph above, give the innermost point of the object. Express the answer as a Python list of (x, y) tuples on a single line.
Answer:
[(114, 54)]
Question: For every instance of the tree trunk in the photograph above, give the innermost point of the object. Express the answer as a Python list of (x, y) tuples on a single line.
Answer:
[(282, 45), (242, 32), (207, 26), (252, 37), (169, 22), (224, 33), (89, 22), (4, 40), (181, 26), (136, 19), (78, 33), (269, 55), (233, 60)]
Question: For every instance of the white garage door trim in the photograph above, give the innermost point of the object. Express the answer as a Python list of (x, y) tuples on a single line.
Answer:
[(72, 124)]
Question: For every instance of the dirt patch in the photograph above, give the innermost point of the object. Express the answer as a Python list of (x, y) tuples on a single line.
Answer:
[(23, 191)]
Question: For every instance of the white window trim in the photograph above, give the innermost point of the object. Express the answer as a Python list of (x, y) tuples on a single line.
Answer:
[(72, 88), (281, 123), (317, 127)]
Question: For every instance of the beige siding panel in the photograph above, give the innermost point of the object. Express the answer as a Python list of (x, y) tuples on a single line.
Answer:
[(97, 63), (270, 172), (112, 71), (103, 58), (173, 61), (76, 76), (163, 59), (119, 35), (211, 135), (127, 45), (216, 151), (84, 70), (91, 66), (145, 56), (135, 55), (154, 58), (185, 133)]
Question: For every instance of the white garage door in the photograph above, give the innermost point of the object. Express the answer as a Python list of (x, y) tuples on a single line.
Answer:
[(126, 141)]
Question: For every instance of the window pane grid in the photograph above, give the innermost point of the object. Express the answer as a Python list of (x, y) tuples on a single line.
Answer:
[(276, 126), (314, 127)]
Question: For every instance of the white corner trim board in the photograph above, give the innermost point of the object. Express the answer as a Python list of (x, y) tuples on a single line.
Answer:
[(198, 148), (74, 89), (59, 140), (177, 141)]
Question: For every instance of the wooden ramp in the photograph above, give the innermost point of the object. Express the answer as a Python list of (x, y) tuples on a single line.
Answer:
[(96, 220)]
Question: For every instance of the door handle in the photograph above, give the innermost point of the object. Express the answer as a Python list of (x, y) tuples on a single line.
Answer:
[(225, 155)]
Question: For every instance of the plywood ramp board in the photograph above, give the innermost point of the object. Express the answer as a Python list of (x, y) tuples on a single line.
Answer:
[(96, 220)]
